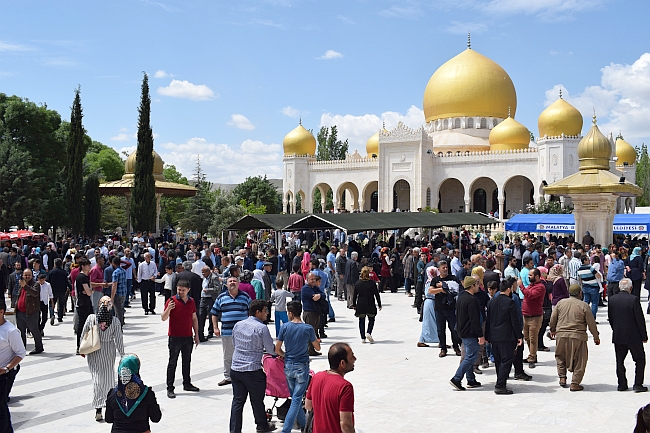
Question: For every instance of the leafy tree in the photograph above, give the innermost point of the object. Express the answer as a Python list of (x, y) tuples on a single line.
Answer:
[(329, 146), (329, 200), (15, 185), (113, 213), (105, 161), (259, 190), (74, 174), (172, 208), (252, 209), (225, 211), (197, 216), (643, 175), (143, 196), (92, 206)]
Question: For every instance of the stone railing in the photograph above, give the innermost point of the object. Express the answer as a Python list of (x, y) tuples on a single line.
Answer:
[(345, 164), (558, 137), (529, 154)]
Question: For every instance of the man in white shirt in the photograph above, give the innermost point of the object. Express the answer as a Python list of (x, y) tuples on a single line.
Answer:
[(197, 266), (147, 273), (12, 351), (46, 302)]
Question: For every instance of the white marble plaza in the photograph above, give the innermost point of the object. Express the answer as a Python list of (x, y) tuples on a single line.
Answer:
[(398, 387)]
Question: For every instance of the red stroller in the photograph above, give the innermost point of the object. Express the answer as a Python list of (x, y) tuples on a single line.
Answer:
[(276, 386)]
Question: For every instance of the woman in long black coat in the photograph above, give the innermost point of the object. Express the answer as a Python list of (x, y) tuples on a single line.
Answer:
[(635, 270), (363, 302)]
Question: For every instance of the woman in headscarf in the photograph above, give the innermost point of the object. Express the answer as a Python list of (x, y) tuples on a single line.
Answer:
[(102, 362), (258, 283), (634, 270), (304, 265), (429, 332), (384, 273), (131, 404), (560, 290), (478, 273), (245, 284)]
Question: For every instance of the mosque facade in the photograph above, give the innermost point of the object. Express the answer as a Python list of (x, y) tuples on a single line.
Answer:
[(470, 155)]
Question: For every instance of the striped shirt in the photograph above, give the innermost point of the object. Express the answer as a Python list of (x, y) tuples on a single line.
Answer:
[(250, 338), (574, 265), (231, 310), (587, 275)]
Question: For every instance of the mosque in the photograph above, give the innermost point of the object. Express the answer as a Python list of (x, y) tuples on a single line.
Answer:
[(471, 155)]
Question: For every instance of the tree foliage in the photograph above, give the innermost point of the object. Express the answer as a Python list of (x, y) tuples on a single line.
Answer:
[(105, 161), (16, 179), (143, 196), (225, 211), (92, 206), (546, 207), (643, 175), (329, 146), (329, 200), (113, 213), (197, 215), (172, 208), (74, 168), (259, 191)]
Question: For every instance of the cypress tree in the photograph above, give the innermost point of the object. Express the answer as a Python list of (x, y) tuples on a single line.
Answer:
[(92, 206), (143, 195), (74, 168)]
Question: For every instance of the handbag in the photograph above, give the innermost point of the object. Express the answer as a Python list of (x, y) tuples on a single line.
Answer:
[(90, 341)]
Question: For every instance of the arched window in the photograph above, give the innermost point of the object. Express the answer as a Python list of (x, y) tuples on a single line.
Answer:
[(440, 155), (495, 122), (495, 201), (449, 153), (457, 123), (374, 201), (445, 124), (479, 203), (428, 197), (458, 153), (470, 122), (483, 123)]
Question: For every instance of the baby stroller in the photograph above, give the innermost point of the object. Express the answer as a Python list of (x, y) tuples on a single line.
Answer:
[(276, 386)]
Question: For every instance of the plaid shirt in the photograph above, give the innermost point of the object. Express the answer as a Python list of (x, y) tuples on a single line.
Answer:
[(119, 277)]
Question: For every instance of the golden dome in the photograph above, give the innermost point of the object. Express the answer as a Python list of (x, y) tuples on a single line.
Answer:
[(372, 145), (625, 152), (508, 135), (470, 84), (129, 166), (559, 118), (594, 150), (299, 142)]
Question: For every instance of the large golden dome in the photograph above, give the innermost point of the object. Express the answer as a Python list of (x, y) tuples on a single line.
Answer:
[(594, 150), (509, 135), (470, 84), (625, 152), (299, 142), (129, 166), (559, 118)]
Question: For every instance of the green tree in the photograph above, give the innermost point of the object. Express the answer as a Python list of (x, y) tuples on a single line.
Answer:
[(172, 208), (329, 146), (643, 175), (252, 209), (74, 168), (329, 200), (92, 206), (113, 212), (105, 161), (225, 211), (259, 190), (15, 185), (143, 196), (197, 215)]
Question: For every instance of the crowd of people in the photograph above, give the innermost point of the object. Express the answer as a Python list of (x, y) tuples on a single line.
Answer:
[(495, 297)]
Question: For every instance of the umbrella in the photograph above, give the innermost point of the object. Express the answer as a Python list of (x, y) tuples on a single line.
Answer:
[(4, 236), (22, 234)]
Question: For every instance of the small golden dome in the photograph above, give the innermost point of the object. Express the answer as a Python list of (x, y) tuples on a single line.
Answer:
[(129, 166), (625, 152), (594, 150), (469, 84), (559, 118), (299, 142), (372, 145), (509, 135)]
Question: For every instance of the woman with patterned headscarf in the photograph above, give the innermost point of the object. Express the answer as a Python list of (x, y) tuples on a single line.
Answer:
[(131, 404), (245, 284), (102, 362)]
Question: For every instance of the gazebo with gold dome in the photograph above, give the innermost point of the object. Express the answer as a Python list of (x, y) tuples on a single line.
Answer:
[(125, 185)]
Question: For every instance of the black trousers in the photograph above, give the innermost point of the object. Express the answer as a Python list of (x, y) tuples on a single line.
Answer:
[(638, 355), (312, 318), (6, 382), (60, 300), (636, 288), (447, 317), (204, 313), (245, 383), (183, 346), (504, 355), (612, 288), (419, 294), (82, 313), (148, 287), (518, 362), (540, 337)]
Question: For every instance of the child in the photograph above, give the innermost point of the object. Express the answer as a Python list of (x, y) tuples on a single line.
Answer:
[(296, 281), (46, 302), (167, 280), (279, 297)]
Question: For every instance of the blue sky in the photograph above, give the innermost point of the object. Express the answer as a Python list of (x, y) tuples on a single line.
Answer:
[(230, 78)]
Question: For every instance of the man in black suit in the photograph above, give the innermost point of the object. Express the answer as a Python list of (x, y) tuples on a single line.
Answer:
[(629, 334), (503, 331), (196, 282)]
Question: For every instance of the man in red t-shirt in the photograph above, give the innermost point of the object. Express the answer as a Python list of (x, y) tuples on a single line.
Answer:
[(180, 309), (330, 396)]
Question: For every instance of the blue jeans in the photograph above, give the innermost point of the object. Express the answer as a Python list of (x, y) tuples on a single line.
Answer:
[(280, 318), (330, 315), (466, 367), (274, 277), (591, 295), (297, 378), (407, 285), (129, 291)]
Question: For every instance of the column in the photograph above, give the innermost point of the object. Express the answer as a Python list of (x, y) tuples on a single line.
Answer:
[(284, 204), (361, 205), (467, 204), (335, 204), (158, 197), (502, 202)]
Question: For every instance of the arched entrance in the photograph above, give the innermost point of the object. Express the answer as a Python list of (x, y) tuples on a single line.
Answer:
[(402, 195), (323, 198), (518, 192), (483, 192), (370, 191), (479, 200), (289, 205), (348, 196), (451, 196)]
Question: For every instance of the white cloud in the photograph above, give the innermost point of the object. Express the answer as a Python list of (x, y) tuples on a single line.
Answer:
[(126, 151), (330, 54), (160, 73), (224, 163), (461, 28), (267, 23), (621, 101), (358, 129), (121, 137), (410, 11), (5, 47), (550, 10), (345, 19), (290, 111), (240, 121), (186, 90)]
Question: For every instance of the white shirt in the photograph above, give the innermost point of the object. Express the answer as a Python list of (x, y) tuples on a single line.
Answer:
[(167, 279), (10, 344), (146, 271), (46, 293), (197, 266)]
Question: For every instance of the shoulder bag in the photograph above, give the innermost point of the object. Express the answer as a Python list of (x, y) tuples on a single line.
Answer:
[(90, 341)]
